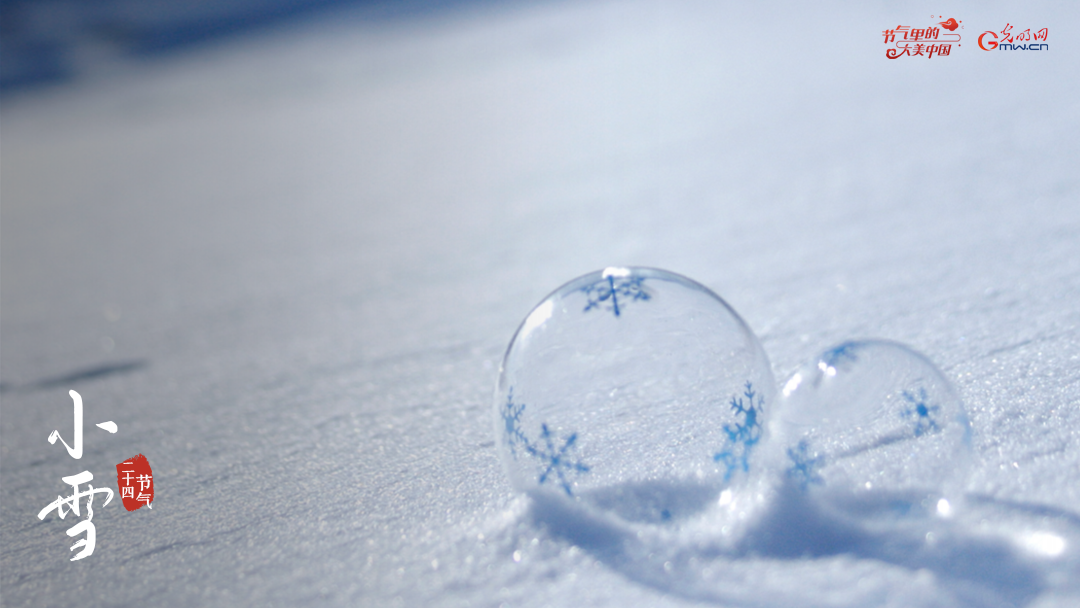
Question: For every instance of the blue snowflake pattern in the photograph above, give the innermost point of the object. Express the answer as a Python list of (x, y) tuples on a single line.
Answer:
[(611, 288), (744, 434), (921, 412), (558, 462), (841, 356), (803, 468), (511, 415)]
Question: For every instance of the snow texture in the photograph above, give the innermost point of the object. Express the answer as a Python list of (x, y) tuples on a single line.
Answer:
[(287, 266)]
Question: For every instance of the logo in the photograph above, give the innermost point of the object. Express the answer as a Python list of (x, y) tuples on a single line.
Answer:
[(989, 44), (132, 472), (1023, 41), (922, 41)]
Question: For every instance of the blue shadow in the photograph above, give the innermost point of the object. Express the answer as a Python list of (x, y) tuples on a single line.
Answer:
[(47, 41)]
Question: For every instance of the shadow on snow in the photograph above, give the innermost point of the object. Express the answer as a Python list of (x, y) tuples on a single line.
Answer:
[(646, 541)]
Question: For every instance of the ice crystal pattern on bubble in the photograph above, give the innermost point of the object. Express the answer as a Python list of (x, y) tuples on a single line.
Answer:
[(921, 412), (615, 292), (841, 356), (558, 461), (511, 415), (803, 468), (744, 434)]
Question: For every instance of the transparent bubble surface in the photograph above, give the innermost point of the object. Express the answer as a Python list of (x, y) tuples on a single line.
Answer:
[(875, 420), (633, 390)]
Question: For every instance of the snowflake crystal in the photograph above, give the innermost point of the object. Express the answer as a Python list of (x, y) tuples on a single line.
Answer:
[(804, 469), (841, 356), (743, 435), (611, 288), (557, 462), (921, 412), (511, 415)]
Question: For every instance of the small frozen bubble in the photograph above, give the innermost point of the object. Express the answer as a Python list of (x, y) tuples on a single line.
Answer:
[(634, 390), (878, 423)]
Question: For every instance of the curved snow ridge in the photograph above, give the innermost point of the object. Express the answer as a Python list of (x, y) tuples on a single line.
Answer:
[(794, 548)]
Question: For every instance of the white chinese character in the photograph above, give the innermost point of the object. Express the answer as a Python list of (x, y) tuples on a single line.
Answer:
[(72, 503)]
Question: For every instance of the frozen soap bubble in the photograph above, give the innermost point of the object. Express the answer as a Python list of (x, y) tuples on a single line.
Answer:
[(633, 390), (874, 425)]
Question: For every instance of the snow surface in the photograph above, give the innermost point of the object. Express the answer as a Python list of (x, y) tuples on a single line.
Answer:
[(287, 267)]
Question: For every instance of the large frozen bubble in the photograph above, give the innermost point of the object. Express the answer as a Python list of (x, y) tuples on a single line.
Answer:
[(636, 391)]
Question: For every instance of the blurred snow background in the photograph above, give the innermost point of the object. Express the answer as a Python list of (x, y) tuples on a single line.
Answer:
[(287, 263)]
